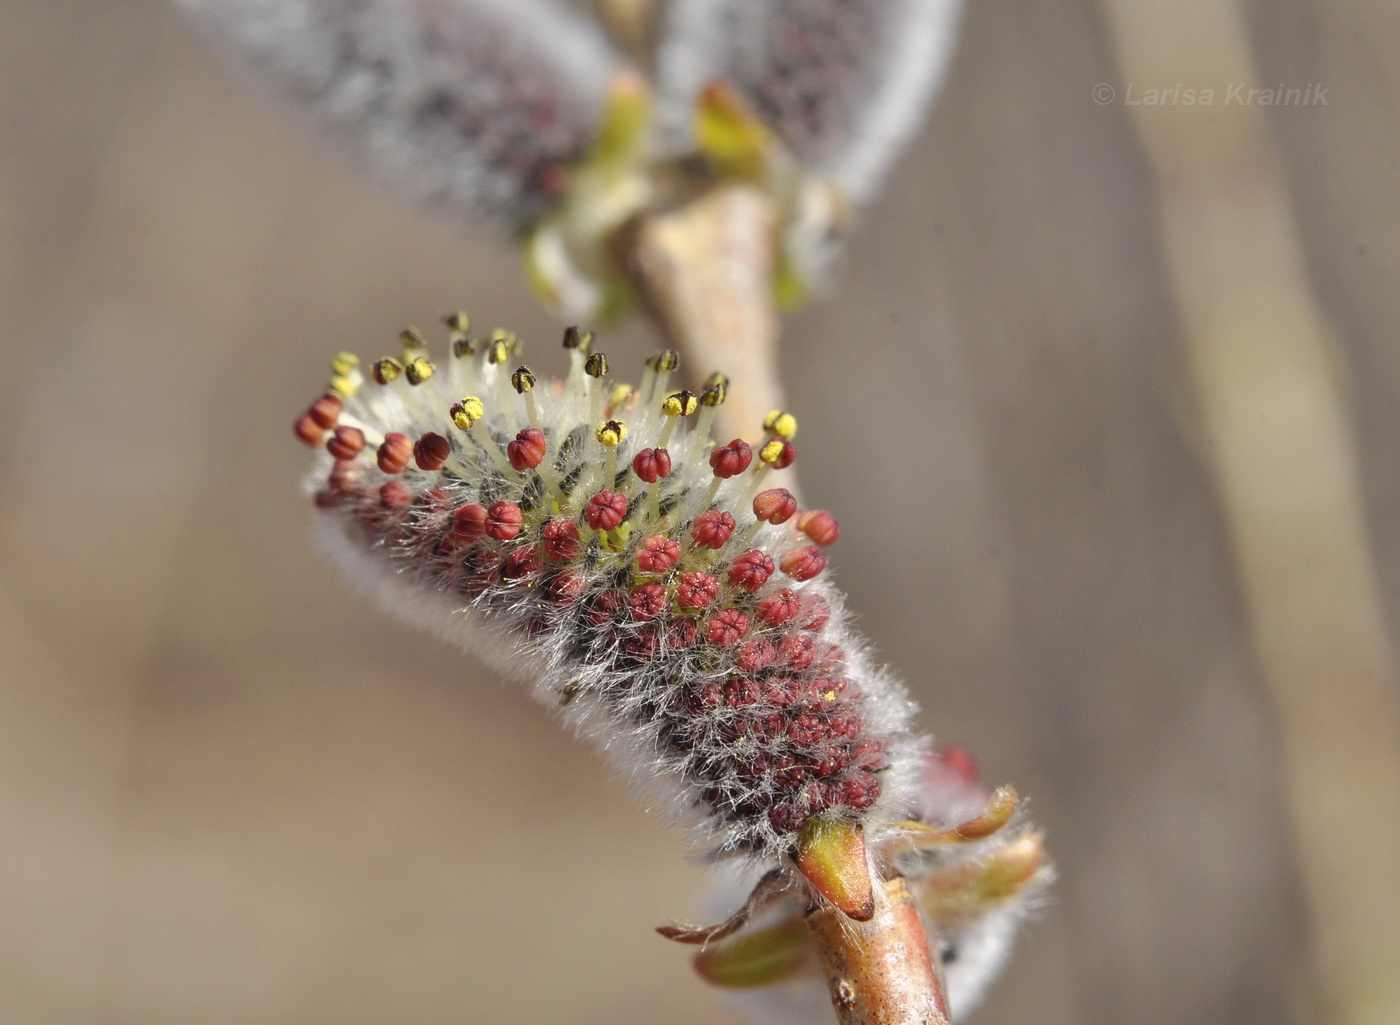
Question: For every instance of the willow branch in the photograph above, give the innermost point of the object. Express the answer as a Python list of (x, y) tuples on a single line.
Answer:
[(705, 273), (880, 972)]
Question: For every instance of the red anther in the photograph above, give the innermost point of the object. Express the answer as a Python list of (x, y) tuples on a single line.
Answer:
[(783, 691), (605, 510), (395, 453), (647, 601), (777, 609), (832, 659), (523, 562), (767, 728), (814, 612), (712, 529), (658, 554), (776, 505), (796, 651), (468, 522), (729, 627), (859, 790), (346, 442), (786, 455), (868, 753), (790, 773), (705, 698), (820, 526), (485, 563), (959, 761), (752, 770), (561, 539), (503, 520), (651, 464), (818, 797), (603, 607), (751, 570), (430, 451), (344, 475), (803, 563), (787, 818), (682, 632), (643, 644), (527, 450), (754, 655), (568, 585), (308, 430), (395, 496), (740, 692), (326, 411), (327, 498), (846, 723), (731, 459), (806, 729), (696, 590), (435, 500)]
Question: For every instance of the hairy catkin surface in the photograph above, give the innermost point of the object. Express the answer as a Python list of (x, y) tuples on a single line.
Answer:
[(472, 105), (843, 83), (702, 649)]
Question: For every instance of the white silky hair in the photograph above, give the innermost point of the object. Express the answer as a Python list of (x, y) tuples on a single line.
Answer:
[(365, 70), (550, 664), (390, 79), (579, 668), (875, 110)]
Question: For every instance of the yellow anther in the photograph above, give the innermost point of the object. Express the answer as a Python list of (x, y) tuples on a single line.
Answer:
[(463, 347), (412, 340), (343, 386), (499, 351), (387, 369), (716, 390), (467, 411), (665, 360), (523, 380), (343, 363), (784, 425), (597, 365), (419, 370), (621, 395), (770, 452), (679, 403), (508, 339), (576, 339), (611, 433), (458, 323)]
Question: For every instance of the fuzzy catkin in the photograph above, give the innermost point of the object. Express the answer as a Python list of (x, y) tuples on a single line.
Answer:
[(843, 83), (703, 650), (471, 105)]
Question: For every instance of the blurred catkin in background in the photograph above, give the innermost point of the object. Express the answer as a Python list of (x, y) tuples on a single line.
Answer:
[(233, 792)]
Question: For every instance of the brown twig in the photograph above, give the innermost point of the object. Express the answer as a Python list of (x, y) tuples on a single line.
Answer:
[(880, 972), (705, 275)]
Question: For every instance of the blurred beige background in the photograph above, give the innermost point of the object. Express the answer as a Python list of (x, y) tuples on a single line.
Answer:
[(230, 792)]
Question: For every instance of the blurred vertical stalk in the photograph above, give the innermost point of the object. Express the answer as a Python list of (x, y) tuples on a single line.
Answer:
[(705, 272), (1277, 435)]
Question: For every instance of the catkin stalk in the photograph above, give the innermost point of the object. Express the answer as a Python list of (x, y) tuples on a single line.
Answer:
[(879, 972)]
